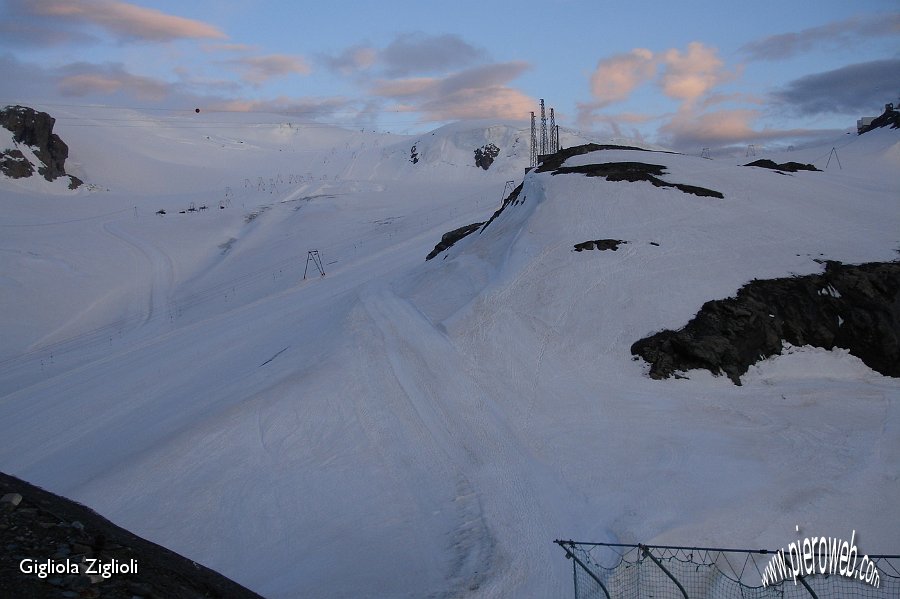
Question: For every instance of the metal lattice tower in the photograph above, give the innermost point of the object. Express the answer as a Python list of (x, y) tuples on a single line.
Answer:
[(543, 129), (534, 152), (553, 143)]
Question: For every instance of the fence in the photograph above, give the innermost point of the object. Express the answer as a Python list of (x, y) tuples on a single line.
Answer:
[(624, 571)]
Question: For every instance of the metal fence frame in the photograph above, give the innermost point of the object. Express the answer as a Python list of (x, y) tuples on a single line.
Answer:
[(738, 573)]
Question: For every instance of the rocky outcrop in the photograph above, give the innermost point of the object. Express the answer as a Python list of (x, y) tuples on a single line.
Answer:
[(450, 238), (599, 244), (554, 161), (635, 171), (485, 155), (788, 167), (39, 526), (889, 118), (34, 129), (511, 199), (14, 164), (854, 307)]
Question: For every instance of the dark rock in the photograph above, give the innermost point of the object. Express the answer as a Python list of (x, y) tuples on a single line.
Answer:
[(554, 161), (10, 501), (512, 198), (448, 239), (635, 171), (35, 129), (889, 118), (14, 164), (854, 307), (485, 155), (600, 244), (790, 167), (160, 573)]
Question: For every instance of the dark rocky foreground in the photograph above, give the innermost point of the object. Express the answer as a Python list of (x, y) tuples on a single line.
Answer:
[(854, 307), (43, 526), (35, 129)]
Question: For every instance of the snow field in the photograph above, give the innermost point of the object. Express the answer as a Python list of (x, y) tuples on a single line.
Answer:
[(401, 428)]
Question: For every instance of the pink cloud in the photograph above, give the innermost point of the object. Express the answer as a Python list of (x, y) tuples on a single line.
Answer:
[(478, 92), (308, 108), (400, 88), (491, 102), (259, 69), (690, 75), (719, 126), (617, 76), (686, 75), (124, 19), (690, 130), (88, 80)]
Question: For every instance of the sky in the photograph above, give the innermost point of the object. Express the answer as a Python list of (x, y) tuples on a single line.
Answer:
[(685, 74)]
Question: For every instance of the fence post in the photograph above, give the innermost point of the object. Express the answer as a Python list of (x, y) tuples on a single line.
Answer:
[(570, 555), (646, 551), (808, 588)]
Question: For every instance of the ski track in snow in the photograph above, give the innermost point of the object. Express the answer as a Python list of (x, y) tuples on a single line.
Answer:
[(162, 279), (469, 431)]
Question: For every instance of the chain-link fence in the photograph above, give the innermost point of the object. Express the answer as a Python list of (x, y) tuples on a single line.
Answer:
[(624, 571)]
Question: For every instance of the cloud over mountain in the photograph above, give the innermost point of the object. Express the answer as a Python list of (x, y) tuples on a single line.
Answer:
[(259, 69), (478, 92), (861, 88)]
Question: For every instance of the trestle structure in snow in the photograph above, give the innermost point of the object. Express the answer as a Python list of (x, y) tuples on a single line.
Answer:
[(314, 257)]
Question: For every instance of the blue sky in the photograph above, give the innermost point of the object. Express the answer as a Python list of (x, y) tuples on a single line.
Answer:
[(685, 74)]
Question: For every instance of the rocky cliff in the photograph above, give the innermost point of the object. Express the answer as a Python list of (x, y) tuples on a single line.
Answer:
[(35, 130), (854, 307)]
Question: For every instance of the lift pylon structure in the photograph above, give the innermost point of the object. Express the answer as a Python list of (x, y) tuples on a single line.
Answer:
[(543, 130), (554, 144), (313, 255), (534, 152)]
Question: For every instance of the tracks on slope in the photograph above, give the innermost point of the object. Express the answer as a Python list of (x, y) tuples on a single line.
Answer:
[(501, 509)]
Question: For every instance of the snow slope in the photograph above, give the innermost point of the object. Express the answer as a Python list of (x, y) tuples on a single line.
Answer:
[(400, 428)]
